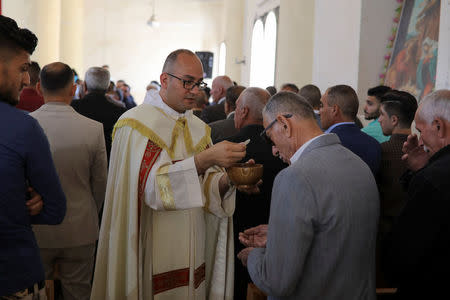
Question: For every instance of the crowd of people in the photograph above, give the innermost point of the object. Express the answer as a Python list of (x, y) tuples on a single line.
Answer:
[(125, 201)]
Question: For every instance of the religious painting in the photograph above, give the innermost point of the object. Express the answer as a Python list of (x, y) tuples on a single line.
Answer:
[(412, 66)]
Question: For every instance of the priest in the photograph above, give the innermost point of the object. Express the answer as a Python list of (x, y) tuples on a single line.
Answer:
[(166, 230)]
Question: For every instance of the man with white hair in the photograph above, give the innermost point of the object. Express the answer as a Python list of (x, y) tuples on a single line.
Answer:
[(96, 106), (219, 89), (417, 259)]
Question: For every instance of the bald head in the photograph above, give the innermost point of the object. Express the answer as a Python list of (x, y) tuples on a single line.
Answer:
[(219, 87), (56, 82), (249, 107), (56, 77), (172, 59)]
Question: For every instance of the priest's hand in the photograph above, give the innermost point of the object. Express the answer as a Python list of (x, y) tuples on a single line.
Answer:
[(254, 237), (35, 204), (223, 154), (415, 156), (243, 255)]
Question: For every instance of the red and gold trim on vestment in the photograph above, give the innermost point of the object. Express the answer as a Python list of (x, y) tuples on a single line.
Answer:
[(177, 278)]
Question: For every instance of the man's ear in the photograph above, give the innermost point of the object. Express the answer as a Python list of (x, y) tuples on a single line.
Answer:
[(164, 78), (39, 88), (440, 127), (287, 128), (394, 120), (244, 112), (335, 110)]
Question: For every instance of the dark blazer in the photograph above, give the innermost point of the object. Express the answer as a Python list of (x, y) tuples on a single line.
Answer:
[(214, 113), (223, 128), (363, 145), (96, 107), (417, 259), (253, 210)]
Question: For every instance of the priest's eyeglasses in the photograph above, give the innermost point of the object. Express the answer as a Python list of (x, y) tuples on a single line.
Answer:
[(265, 136), (189, 84)]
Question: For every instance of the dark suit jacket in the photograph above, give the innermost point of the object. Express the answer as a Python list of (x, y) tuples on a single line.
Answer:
[(363, 145), (253, 210), (96, 107), (222, 129), (417, 256), (214, 113)]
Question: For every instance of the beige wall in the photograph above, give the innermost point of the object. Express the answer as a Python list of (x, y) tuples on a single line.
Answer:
[(117, 35), (114, 32), (233, 28), (43, 18), (336, 43), (295, 42), (71, 33)]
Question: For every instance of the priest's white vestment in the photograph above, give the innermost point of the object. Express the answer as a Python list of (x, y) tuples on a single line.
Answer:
[(165, 233)]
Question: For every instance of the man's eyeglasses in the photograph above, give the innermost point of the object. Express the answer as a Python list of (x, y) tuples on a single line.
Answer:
[(264, 135), (189, 84)]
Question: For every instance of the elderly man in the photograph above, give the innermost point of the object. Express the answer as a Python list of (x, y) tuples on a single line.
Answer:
[(338, 113), (372, 112), (417, 256), (25, 160), (216, 111), (79, 153), (223, 129), (166, 231), (249, 120), (96, 106), (323, 216)]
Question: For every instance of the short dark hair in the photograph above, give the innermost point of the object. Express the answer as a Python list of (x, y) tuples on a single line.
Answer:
[(232, 95), (13, 38), (290, 86), (345, 97), (34, 71), (56, 76), (401, 104), (272, 90), (312, 94), (378, 91)]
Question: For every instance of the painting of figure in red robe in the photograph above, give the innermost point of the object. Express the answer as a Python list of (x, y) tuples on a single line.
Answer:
[(412, 66)]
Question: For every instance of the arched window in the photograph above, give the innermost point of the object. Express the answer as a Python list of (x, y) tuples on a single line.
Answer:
[(270, 47), (257, 58), (263, 51), (222, 58)]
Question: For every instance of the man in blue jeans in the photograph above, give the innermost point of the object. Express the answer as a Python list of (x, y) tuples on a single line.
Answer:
[(25, 161)]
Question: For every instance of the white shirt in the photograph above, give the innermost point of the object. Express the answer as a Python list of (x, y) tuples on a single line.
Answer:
[(300, 150), (336, 125)]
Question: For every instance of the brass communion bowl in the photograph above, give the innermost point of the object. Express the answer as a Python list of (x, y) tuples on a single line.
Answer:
[(244, 174)]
